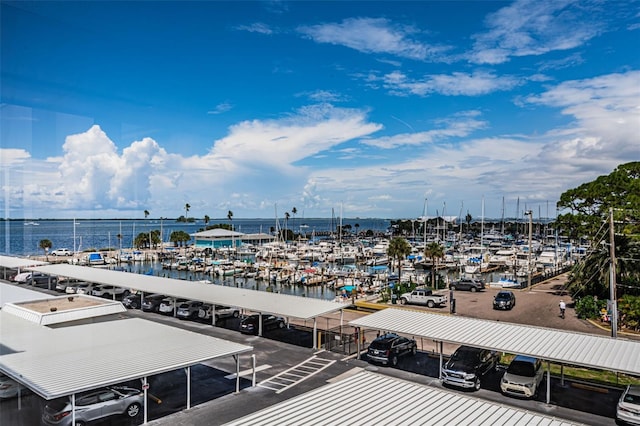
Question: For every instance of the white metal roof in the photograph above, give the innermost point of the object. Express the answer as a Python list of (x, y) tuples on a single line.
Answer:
[(217, 233), (55, 362), (621, 355), (257, 301), (18, 262), (61, 309), (368, 398), (14, 293)]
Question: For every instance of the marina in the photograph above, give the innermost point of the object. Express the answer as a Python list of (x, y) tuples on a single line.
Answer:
[(329, 267)]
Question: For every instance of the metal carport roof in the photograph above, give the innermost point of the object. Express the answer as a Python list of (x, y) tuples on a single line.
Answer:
[(257, 301), (368, 398), (621, 355), (55, 362), (18, 262)]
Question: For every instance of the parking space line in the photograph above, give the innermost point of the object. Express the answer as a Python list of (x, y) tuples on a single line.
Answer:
[(301, 372), (248, 371)]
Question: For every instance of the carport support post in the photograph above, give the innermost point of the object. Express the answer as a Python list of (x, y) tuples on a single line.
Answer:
[(145, 388), (253, 366), (73, 408), (357, 342), (562, 375), (440, 368), (548, 382), (237, 358), (315, 333), (188, 372)]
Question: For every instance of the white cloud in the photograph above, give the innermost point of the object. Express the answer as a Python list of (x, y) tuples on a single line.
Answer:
[(257, 27), (460, 126), (533, 27), (372, 35), (455, 84), (10, 156), (220, 108)]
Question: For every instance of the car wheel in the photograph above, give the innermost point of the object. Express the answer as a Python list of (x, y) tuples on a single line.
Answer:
[(394, 360), (133, 410), (79, 423), (473, 289), (430, 304), (452, 287), (476, 385), (280, 324), (134, 305), (403, 301), (236, 314)]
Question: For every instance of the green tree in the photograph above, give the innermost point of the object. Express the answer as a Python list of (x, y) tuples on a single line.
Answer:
[(45, 245), (286, 225), (435, 252), (230, 217), (399, 249), (146, 214), (187, 207), (179, 238), (294, 211), (357, 225), (588, 205), (206, 219), (468, 219)]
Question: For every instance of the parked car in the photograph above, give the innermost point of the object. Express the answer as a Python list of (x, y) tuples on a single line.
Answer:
[(628, 409), (85, 288), (109, 291), (151, 302), (63, 283), (73, 287), (388, 348), (132, 300), (35, 278), (188, 309), (222, 312), (61, 252), (167, 305), (504, 299), (94, 405), (469, 284), (467, 365), (523, 377), (9, 388), (249, 325)]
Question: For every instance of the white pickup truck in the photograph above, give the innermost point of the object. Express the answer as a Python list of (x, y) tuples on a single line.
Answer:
[(423, 296)]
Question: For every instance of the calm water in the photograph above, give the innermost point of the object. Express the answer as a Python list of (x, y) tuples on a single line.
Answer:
[(18, 239)]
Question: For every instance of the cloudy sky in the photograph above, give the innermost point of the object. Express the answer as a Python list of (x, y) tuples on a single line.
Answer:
[(372, 109)]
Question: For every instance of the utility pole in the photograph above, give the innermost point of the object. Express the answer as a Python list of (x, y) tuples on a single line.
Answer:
[(530, 214), (612, 278)]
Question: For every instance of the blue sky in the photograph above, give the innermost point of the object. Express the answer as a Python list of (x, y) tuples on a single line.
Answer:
[(372, 109)]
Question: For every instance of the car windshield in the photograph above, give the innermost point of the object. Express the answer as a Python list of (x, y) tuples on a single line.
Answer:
[(503, 296), (522, 368), (632, 398), (466, 354), (380, 344)]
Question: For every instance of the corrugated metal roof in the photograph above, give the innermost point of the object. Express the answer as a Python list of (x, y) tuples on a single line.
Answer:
[(257, 301), (217, 233), (55, 362), (368, 398), (587, 350), (18, 262)]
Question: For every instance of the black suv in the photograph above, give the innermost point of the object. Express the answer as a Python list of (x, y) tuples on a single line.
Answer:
[(387, 348), (249, 325), (467, 284), (151, 303), (505, 299), (467, 365)]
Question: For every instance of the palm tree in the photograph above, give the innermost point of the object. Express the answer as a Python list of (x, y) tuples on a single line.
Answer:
[(357, 225), (286, 221), (45, 245), (146, 214), (468, 220), (294, 211), (398, 249), (119, 237), (230, 217), (435, 252), (186, 210), (206, 219)]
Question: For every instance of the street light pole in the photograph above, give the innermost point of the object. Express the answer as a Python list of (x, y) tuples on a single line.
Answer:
[(530, 214)]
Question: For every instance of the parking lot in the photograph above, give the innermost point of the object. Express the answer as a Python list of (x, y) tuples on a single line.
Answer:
[(280, 349)]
